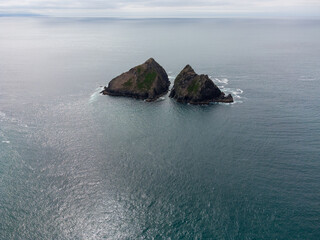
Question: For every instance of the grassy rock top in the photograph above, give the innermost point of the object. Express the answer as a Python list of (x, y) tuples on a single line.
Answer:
[(146, 81)]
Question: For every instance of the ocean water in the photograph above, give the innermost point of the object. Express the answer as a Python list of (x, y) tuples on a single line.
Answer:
[(78, 165)]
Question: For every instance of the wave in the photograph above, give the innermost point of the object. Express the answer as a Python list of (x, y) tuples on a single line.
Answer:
[(236, 93), (171, 77), (94, 96), (160, 99), (222, 80), (307, 79), (240, 91)]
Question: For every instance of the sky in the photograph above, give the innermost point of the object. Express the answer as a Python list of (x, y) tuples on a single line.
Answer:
[(163, 8)]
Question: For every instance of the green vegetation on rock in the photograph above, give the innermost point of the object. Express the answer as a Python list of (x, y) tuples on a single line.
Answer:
[(147, 82), (128, 83), (194, 86)]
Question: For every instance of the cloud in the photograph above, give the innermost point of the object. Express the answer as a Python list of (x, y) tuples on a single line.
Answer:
[(159, 7)]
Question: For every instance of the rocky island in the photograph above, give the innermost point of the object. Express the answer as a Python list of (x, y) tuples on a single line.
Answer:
[(192, 88), (146, 81)]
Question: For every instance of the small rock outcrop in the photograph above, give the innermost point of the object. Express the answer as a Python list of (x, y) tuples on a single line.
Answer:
[(146, 81), (192, 88)]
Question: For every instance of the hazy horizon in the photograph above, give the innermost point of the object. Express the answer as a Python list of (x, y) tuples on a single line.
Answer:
[(163, 9)]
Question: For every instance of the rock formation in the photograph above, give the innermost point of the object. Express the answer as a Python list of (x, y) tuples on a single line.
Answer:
[(192, 88), (146, 81)]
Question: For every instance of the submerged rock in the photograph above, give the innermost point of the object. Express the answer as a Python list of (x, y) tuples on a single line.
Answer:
[(146, 81), (190, 87)]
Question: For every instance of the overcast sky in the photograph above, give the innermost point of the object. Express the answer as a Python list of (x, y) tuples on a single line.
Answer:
[(164, 8)]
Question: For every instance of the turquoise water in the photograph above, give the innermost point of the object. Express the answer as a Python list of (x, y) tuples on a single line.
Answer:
[(78, 165)]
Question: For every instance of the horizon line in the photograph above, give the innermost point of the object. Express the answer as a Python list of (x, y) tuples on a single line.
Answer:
[(159, 17)]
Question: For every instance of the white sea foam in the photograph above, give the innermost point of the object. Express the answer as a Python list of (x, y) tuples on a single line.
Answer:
[(306, 79), (94, 96), (160, 99), (221, 80), (6, 142), (240, 90), (236, 93)]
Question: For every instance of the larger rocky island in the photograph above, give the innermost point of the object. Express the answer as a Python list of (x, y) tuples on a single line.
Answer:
[(147, 81), (192, 88)]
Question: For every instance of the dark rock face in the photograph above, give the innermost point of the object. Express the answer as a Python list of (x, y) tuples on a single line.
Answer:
[(146, 81), (190, 87)]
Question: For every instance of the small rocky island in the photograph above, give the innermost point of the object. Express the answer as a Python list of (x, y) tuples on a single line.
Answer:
[(192, 88), (147, 81)]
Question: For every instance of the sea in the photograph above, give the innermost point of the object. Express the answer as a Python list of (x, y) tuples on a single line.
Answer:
[(75, 164)]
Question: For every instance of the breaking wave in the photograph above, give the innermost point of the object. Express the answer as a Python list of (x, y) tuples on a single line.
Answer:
[(235, 92), (160, 99), (94, 96), (222, 80)]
